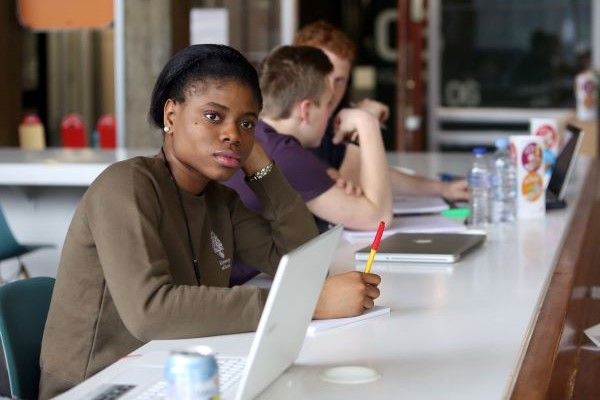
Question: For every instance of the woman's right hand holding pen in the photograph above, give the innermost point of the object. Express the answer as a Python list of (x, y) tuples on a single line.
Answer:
[(347, 295)]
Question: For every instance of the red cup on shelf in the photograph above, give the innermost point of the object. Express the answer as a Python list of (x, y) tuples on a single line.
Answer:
[(72, 131), (107, 132)]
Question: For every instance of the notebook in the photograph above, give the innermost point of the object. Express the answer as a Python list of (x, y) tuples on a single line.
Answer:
[(424, 247), (565, 162), (406, 205), (321, 325), (411, 224), (279, 336)]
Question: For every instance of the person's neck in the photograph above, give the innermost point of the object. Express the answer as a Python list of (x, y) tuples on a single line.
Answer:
[(285, 126), (185, 177)]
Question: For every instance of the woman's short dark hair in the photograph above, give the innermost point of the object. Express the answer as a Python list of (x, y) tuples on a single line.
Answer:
[(198, 63)]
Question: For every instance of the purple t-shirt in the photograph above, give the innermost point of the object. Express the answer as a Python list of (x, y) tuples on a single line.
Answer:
[(303, 170)]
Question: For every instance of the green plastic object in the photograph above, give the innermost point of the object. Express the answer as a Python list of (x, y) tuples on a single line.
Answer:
[(23, 310), (457, 212)]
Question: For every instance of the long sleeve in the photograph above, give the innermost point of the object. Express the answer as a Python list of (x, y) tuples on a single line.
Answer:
[(125, 219)]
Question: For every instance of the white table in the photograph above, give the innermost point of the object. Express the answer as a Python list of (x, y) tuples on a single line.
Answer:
[(39, 192), (451, 335)]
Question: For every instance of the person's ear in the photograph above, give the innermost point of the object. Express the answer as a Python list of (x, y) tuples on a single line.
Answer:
[(305, 110), (169, 115)]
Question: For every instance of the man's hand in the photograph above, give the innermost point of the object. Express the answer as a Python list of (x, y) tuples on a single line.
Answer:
[(456, 190), (349, 123), (347, 295), (375, 108), (349, 187)]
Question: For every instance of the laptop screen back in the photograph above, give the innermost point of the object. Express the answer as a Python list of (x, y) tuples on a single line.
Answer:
[(565, 162), (423, 247), (288, 312)]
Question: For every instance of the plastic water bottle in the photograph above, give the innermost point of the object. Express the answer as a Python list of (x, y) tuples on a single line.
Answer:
[(504, 182), (479, 184)]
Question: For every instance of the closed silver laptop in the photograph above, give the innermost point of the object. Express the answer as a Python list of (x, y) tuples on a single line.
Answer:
[(424, 247)]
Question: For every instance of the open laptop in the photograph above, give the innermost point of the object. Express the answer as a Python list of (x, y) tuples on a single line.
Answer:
[(424, 247), (279, 336), (565, 162)]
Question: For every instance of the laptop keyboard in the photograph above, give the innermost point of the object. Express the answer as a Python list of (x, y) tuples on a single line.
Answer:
[(230, 372)]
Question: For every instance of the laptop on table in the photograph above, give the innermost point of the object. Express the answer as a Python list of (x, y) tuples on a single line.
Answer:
[(278, 339), (424, 247), (565, 162)]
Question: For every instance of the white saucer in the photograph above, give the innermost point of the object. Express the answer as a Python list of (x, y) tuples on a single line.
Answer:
[(351, 374)]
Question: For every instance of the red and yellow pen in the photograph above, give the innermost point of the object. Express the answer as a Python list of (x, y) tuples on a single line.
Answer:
[(374, 246)]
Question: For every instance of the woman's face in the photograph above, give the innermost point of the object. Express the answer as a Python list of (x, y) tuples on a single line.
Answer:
[(213, 130)]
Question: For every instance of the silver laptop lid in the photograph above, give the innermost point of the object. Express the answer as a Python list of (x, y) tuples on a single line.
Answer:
[(424, 247), (288, 312)]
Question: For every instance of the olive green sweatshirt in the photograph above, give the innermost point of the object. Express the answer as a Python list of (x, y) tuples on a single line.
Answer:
[(126, 274)]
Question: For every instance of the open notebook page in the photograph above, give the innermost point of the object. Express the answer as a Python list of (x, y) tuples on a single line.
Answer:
[(404, 205), (320, 325), (412, 224)]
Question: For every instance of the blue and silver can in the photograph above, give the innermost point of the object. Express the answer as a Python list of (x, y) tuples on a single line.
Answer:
[(192, 374)]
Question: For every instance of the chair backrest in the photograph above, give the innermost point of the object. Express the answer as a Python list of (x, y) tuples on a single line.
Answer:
[(8, 244), (23, 310)]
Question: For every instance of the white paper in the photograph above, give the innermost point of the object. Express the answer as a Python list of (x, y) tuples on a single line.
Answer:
[(418, 205), (321, 325), (412, 224), (209, 25), (594, 334)]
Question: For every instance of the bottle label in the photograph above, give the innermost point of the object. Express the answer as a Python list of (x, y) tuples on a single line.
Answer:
[(532, 157), (532, 186)]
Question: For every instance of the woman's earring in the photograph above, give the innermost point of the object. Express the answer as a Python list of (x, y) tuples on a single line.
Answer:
[(166, 129)]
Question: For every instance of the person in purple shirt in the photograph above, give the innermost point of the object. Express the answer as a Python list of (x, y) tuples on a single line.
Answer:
[(310, 180), (298, 96), (344, 160)]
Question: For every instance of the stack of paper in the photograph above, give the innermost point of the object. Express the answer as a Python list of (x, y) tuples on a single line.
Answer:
[(413, 224), (404, 205), (320, 325)]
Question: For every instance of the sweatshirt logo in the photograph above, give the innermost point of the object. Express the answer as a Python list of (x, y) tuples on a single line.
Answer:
[(219, 250)]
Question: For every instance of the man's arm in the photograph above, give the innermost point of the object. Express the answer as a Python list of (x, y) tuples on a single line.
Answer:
[(412, 185), (375, 203)]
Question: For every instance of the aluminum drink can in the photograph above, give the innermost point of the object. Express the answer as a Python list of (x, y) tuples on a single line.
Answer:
[(192, 374)]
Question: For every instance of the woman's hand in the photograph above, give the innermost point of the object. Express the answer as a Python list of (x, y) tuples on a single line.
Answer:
[(347, 295), (257, 159)]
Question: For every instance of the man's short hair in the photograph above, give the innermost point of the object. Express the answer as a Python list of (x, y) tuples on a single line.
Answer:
[(290, 74), (324, 35)]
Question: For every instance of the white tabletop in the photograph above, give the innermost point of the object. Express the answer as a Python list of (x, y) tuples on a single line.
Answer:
[(59, 167), (458, 334)]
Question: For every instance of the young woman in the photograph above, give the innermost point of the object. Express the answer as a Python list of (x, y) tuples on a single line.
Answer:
[(148, 253)]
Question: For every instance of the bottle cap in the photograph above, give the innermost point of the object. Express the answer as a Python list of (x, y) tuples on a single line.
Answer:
[(479, 150), (501, 143), (30, 119)]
